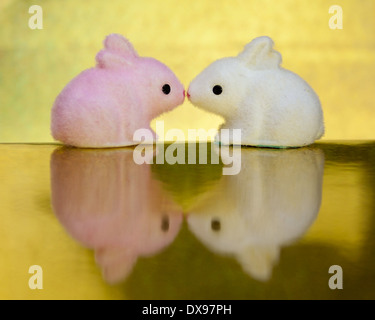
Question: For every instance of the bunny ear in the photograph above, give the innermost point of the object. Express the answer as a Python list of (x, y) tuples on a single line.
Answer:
[(118, 44), (259, 261), (107, 59), (259, 54), (117, 51)]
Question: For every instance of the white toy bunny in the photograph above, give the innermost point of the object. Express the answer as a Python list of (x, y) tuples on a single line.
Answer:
[(272, 106)]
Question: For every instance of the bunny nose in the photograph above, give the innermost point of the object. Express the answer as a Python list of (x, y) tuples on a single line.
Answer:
[(184, 93), (188, 94)]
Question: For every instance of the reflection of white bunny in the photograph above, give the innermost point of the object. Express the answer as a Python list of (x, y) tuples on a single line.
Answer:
[(269, 204), (271, 105)]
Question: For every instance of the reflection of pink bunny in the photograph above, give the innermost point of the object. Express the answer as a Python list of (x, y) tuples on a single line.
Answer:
[(103, 106), (108, 203)]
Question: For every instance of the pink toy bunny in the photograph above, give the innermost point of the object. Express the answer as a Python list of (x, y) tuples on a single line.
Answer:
[(104, 106), (110, 204)]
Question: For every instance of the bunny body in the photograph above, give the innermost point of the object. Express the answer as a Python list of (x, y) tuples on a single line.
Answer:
[(272, 106), (104, 106), (110, 204), (269, 205)]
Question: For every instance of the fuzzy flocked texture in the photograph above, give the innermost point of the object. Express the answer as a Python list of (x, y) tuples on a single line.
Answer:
[(112, 205), (271, 204), (104, 106), (272, 106)]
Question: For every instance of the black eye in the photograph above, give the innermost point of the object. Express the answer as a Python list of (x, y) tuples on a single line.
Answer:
[(217, 90), (166, 89), (165, 223), (215, 225)]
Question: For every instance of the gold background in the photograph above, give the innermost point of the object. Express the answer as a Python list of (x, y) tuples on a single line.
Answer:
[(186, 35)]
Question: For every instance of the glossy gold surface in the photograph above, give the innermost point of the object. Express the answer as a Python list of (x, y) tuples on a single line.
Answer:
[(35, 65), (103, 227)]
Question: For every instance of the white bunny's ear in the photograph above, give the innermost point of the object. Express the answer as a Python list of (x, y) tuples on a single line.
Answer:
[(258, 262), (117, 51), (259, 54)]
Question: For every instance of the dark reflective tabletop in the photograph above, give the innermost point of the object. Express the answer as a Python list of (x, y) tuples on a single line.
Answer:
[(191, 222)]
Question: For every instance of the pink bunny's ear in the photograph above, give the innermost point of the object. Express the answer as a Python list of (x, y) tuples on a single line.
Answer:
[(116, 43), (116, 263), (117, 52), (108, 59)]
